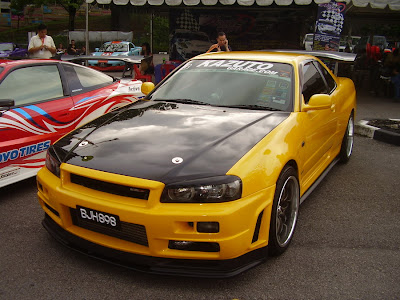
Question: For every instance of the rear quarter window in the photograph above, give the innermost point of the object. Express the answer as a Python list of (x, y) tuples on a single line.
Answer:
[(82, 79)]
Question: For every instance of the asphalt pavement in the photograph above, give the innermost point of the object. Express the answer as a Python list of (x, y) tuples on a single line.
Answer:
[(371, 107)]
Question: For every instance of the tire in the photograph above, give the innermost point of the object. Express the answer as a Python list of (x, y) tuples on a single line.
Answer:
[(348, 141), (285, 209)]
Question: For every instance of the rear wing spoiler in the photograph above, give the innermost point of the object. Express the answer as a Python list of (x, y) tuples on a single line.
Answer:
[(128, 60), (337, 57)]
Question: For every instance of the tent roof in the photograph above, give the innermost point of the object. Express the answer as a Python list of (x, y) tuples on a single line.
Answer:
[(393, 4)]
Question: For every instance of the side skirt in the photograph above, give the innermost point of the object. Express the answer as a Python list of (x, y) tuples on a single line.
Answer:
[(316, 182)]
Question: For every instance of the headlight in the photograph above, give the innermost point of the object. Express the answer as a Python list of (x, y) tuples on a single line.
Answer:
[(52, 162), (209, 190)]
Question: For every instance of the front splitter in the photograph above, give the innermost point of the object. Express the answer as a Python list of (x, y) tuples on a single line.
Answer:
[(157, 265)]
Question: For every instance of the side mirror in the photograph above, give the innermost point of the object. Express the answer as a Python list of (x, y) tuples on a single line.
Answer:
[(318, 102), (147, 87), (6, 103)]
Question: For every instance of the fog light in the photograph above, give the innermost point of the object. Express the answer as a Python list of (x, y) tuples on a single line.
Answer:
[(208, 227), (180, 245), (194, 246)]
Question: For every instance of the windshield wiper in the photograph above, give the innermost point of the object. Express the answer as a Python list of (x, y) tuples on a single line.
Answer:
[(253, 106), (185, 101)]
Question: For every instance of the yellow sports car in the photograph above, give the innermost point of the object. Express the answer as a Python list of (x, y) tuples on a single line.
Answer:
[(204, 176)]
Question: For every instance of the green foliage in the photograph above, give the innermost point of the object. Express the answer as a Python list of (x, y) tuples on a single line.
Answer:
[(17, 6), (160, 34), (160, 31)]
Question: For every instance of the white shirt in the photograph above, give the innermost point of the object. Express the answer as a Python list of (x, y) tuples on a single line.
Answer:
[(36, 41)]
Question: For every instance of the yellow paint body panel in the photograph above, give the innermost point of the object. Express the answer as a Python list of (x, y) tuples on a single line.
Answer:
[(309, 140)]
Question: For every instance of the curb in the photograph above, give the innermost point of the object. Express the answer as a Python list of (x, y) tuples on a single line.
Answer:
[(376, 133)]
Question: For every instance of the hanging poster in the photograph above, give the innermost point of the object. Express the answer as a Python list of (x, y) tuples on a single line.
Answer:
[(329, 26)]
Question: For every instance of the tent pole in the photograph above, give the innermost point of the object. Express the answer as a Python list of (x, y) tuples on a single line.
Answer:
[(151, 30), (87, 31)]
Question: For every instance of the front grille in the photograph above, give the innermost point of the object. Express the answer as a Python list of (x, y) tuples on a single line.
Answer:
[(111, 188), (130, 232)]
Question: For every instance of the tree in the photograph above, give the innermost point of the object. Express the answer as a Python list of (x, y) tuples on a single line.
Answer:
[(17, 8), (71, 6)]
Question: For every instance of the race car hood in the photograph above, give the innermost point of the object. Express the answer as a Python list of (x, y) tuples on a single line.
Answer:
[(167, 142)]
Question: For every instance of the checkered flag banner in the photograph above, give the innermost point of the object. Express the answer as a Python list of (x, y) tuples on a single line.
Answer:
[(335, 18), (187, 21)]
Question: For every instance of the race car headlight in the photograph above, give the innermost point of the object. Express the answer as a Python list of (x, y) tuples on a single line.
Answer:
[(52, 163), (210, 190)]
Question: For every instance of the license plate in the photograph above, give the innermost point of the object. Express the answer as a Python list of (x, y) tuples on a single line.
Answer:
[(98, 217)]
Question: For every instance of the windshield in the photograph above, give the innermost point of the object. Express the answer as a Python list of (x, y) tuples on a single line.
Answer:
[(6, 47), (231, 83), (118, 47)]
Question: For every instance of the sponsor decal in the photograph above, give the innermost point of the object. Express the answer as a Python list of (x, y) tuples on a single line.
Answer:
[(24, 151), (9, 174), (240, 65)]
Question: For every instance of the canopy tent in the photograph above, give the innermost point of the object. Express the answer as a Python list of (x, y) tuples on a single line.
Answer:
[(377, 5), (393, 4)]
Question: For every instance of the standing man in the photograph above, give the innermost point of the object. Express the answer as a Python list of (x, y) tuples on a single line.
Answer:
[(41, 45), (221, 45)]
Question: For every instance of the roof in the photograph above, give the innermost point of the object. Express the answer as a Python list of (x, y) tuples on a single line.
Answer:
[(393, 4), (7, 62)]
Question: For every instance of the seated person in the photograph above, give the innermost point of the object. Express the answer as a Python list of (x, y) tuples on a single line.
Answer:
[(72, 50), (146, 65)]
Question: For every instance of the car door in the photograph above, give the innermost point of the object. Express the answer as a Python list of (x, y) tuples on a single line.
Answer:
[(319, 125), (94, 93), (41, 114)]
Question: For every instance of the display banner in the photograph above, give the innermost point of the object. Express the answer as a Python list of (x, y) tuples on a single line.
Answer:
[(329, 26)]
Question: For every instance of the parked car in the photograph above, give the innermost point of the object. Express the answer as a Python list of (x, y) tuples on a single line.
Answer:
[(205, 175), (308, 41), (114, 48), (41, 100), (186, 44), (377, 40), (11, 50), (349, 42)]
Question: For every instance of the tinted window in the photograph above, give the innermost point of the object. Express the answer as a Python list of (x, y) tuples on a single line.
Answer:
[(313, 82), (81, 79), (32, 84), (329, 79)]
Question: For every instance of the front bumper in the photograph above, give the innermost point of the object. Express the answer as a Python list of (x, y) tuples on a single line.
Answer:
[(156, 265), (149, 226)]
